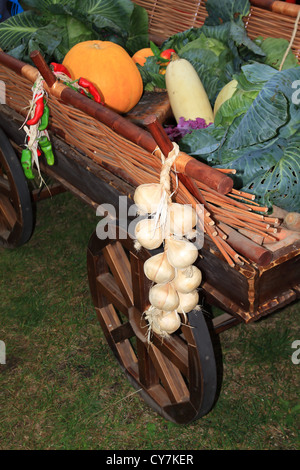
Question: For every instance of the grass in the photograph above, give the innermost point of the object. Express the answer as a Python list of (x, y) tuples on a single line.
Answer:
[(62, 389)]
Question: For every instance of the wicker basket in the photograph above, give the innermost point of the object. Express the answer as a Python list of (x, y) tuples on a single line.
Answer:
[(266, 18)]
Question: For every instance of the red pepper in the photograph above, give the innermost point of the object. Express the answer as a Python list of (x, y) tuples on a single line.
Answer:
[(166, 54), (38, 112), (60, 68), (91, 88)]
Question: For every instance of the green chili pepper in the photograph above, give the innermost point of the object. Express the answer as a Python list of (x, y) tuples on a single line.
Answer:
[(46, 147), (45, 118), (27, 163)]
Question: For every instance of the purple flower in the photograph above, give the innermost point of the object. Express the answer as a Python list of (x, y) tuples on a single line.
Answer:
[(184, 127)]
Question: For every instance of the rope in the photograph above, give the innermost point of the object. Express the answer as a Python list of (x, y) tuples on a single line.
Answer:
[(291, 41)]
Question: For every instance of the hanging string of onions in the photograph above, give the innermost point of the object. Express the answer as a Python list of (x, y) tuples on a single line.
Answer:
[(172, 271)]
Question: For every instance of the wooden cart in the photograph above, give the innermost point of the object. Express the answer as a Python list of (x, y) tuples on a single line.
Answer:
[(179, 377)]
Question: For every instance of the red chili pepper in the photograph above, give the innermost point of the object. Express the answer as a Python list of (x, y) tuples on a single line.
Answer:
[(60, 68), (166, 54), (38, 112), (91, 88)]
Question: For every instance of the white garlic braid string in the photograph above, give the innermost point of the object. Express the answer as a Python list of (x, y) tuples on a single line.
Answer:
[(165, 181)]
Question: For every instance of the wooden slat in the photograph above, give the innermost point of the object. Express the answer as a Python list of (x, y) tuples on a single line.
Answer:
[(170, 376), (7, 211), (140, 283), (175, 350), (148, 375), (4, 186), (111, 291), (118, 262), (122, 332), (224, 322), (109, 321), (47, 192)]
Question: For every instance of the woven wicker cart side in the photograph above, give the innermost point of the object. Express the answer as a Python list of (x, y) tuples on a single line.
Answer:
[(177, 377), (267, 18)]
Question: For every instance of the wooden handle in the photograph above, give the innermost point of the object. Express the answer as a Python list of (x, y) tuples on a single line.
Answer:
[(43, 68), (243, 245), (186, 164), (277, 6), (246, 247)]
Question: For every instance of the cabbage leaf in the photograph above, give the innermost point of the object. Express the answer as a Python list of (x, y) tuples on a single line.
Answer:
[(262, 140), (54, 26)]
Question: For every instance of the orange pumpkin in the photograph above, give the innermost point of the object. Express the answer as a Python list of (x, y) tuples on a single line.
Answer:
[(140, 56), (110, 68)]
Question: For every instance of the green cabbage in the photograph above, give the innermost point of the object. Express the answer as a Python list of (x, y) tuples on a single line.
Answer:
[(257, 132), (53, 27)]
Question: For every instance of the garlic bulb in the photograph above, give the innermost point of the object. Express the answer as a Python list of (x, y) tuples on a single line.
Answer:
[(182, 218), (148, 234), (164, 297), (188, 301), (188, 279), (147, 197), (181, 253), (158, 269), (166, 323)]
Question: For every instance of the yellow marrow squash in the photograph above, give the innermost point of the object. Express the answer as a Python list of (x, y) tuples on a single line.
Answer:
[(224, 95), (186, 92)]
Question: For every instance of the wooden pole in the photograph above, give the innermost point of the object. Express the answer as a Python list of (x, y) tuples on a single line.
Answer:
[(186, 164), (277, 6)]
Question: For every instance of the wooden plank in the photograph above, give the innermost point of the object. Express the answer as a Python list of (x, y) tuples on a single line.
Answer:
[(122, 332), (146, 370), (148, 375), (169, 375), (152, 102), (109, 321), (118, 262), (4, 186), (8, 212), (110, 289), (47, 192), (140, 284), (175, 350), (224, 322)]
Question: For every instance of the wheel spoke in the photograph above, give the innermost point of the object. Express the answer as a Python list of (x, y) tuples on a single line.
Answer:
[(169, 375), (148, 376), (118, 263), (175, 350), (16, 218), (7, 212), (140, 284), (110, 321), (4, 186)]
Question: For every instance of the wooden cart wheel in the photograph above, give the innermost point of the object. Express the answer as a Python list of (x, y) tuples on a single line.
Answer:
[(16, 217), (177, 376)]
